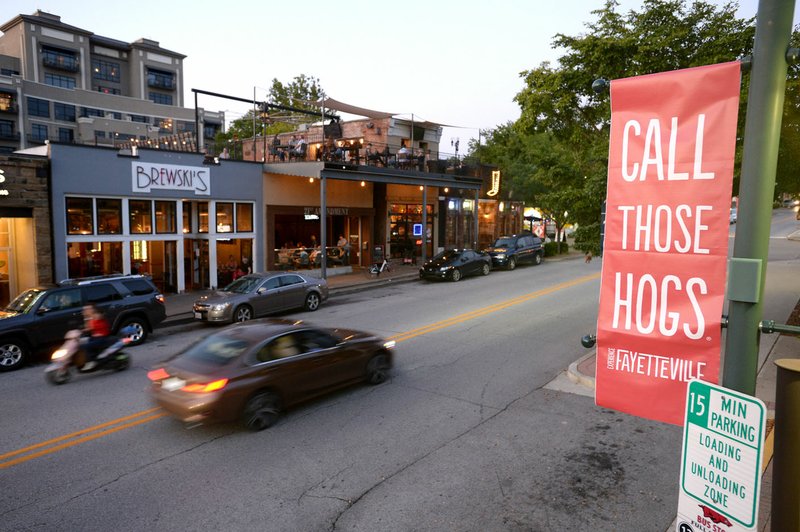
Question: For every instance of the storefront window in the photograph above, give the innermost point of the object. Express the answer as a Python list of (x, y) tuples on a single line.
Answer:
[(202, 217), (87, 259), (224, 217), (187, 217), (244, 217), (402, 221), (109, 216), (165, 217), (141, 216), (79, 216)]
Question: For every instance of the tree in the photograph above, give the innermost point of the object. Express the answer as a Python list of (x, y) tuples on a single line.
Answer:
[(297, 94), (557, 151)]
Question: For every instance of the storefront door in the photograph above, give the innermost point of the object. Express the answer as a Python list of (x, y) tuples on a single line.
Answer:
[(195, 264)]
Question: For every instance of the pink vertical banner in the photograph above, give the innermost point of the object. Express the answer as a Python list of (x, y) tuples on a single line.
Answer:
[(670, 174)]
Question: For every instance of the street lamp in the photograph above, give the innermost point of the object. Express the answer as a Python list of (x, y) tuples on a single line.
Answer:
[(454, 142), (265, 119)]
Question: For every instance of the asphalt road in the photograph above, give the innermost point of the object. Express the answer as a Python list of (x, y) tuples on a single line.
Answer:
[(467, 435)]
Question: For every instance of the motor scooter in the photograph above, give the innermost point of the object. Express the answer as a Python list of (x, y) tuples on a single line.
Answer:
[(72, 354)]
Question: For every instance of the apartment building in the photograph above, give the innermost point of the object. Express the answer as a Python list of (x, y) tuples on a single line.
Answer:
[(66, 84)]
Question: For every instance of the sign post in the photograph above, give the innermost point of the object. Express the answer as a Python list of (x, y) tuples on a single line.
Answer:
[(721, 462)]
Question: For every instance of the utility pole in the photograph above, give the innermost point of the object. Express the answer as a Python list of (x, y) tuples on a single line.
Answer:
[(759, 162)]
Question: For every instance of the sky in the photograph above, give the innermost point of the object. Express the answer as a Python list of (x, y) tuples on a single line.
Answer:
[(455, 62)]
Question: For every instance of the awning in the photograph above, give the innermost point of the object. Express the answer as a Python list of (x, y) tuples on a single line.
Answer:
[(336, 105)]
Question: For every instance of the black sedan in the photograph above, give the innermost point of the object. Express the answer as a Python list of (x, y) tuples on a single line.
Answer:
[(453, 264), (253, 371)]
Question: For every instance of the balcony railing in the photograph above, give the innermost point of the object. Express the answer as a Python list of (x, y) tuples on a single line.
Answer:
[(68, 64), (6, 135), (160, 83), (10, 108)]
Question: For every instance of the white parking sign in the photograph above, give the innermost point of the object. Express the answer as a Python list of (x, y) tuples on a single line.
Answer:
[(721, 463)]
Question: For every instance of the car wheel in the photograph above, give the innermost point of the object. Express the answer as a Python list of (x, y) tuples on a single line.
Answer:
[(456, 275), (242, 313), (378, 369), (485, 270), (13, 354), (512, 263), (312, 301), (261, 411), (139, 327), (537, 259)]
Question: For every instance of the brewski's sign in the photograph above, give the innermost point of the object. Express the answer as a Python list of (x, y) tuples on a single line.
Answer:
[(147, 176), (670, 174)]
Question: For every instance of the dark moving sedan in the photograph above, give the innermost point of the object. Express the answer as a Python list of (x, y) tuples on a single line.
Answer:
[(260, 294), (453, 264), (254, 371)]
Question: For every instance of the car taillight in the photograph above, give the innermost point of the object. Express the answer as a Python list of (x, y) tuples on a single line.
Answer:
[(205, 388), (157, 374), (160, 298)]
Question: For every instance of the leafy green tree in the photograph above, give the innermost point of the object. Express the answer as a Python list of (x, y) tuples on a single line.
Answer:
[(556, 153), (298, 94)]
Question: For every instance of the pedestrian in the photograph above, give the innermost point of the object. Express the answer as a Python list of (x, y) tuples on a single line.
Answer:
[(588, 257)]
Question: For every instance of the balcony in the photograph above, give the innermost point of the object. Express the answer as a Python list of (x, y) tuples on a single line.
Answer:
[(60, 62), (10, 108), (158, 82), (9, 135)]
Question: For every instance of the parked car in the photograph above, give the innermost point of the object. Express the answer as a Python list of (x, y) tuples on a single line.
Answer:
[(40, 317), (454, 264), (260, 294), (509, 251), (734, 214), (254, 371)]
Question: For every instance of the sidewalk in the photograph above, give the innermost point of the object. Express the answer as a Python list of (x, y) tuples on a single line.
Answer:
[(582, 371)]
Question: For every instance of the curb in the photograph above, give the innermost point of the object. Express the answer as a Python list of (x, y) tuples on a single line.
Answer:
[(575, 374)]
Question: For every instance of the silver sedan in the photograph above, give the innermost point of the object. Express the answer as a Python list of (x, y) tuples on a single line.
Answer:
[(260, 294)]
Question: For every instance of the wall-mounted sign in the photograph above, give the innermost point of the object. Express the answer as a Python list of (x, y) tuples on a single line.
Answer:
[(332, 211), (495, 184), (3, 189), (148, 176), (417, 229)]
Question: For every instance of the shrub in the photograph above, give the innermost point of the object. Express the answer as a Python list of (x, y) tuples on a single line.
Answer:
[(551, 248)]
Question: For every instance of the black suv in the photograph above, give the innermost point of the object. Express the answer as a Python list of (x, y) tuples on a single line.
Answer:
[(508, 251), (40, 317)]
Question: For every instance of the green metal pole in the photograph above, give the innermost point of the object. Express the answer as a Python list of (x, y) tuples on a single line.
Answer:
[(759, 161)]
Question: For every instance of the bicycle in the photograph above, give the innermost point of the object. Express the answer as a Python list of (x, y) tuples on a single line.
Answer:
[(374, 270)]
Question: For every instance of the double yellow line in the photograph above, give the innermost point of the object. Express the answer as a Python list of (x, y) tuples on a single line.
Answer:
[(490, 309), (104, 429), (68, 440)]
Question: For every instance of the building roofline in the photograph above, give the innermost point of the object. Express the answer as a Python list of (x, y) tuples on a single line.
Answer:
[(36, 18)]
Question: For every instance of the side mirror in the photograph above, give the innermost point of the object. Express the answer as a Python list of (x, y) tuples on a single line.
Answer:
[(261, 290)]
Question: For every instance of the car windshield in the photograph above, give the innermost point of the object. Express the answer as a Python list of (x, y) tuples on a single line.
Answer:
[(243, 285), (503, 242), (24, 301), (217, 350), (447, 254)]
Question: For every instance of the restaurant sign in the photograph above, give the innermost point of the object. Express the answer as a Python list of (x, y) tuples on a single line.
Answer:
[(148, 176), (332, 211)]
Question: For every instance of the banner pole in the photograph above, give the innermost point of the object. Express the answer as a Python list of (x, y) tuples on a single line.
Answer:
[(759, 162)]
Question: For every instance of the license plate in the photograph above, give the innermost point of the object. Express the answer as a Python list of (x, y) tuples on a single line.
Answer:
[(198, 316), (172, 384)]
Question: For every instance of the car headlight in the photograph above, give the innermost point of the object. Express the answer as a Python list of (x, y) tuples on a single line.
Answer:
[(444, 268), (219, 307), (501, 255)]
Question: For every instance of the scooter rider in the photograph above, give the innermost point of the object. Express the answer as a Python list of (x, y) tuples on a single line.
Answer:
[(99, 330)]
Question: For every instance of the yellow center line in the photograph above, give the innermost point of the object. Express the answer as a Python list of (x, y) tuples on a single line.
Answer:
[(449, 322), (71, 435), (120, 423)]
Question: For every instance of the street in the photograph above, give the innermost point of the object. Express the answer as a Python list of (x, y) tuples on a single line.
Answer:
[(466, 435)]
